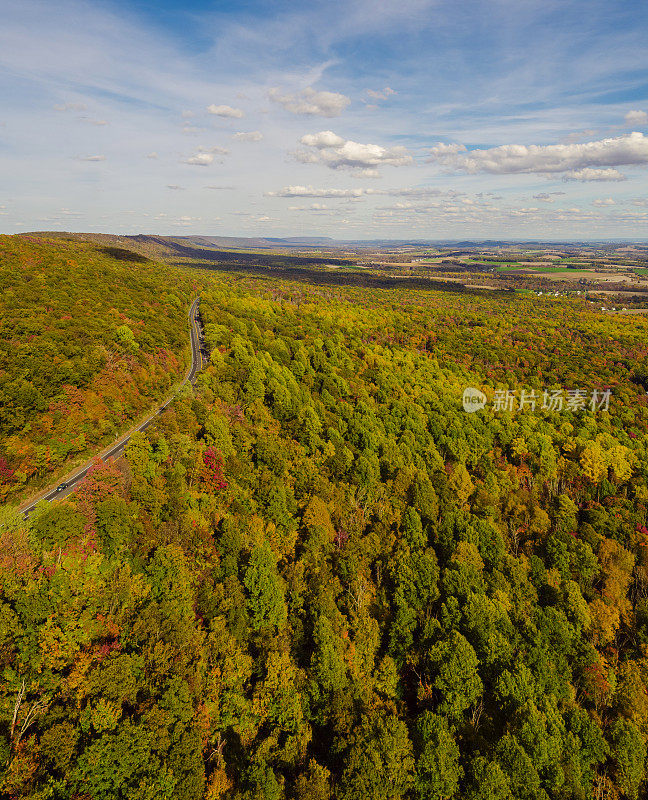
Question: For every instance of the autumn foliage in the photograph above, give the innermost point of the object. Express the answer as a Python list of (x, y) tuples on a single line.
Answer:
[(318, 577), (89, 343)]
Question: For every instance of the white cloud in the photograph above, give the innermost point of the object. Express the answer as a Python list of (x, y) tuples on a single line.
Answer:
[(636, 118), (335, 152), (225, 111), (547, 197), (383, 95), (313, 207), (607, 201), (200, 159), (420, 191), (92, 158), (152, 155), (98, 122), (249, 136), (185, 220), (591, 174), (311, 102), (588, 161), (309, 191), (175, 188), (367, 172), (205, 156), (441, 150), (416, 192), (221, 151), (322, 139)]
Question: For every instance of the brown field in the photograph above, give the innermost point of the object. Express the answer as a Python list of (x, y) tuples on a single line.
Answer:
[(621, 292), (573, 275)]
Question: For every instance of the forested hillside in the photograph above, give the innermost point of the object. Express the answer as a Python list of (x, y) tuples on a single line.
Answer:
[(318, 577), (90, 338)]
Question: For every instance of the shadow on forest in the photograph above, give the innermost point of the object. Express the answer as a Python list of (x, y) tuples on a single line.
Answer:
[(337, 278)]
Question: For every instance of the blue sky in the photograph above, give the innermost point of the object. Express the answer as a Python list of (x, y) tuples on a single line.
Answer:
[(357, 119)]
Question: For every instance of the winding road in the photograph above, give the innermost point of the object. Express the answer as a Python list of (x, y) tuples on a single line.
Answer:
[(117, 447)]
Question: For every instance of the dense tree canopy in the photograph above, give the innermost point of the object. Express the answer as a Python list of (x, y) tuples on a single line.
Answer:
[(89, 341), (319, 577)]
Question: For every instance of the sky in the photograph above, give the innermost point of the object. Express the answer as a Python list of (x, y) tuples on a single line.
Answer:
[(362, 119)]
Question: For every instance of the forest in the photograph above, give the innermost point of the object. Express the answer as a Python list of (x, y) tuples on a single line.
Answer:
[(91, 338), (317, 576)]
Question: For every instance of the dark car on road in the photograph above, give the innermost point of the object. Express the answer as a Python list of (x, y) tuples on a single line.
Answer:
[(61, 486)]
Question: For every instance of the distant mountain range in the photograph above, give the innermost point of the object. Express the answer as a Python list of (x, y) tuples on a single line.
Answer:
[(159, 246)]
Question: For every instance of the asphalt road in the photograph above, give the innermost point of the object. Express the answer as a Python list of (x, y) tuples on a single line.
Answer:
[(118, 447)]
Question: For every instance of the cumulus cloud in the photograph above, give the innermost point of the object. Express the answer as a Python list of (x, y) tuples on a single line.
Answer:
[(606, 201), (636, 118), (152, 155), (311, 102), (249, 136), (92, 158), (225, 111), (205, 156), (587, 161), (176, 188), (333, 151), (322, 139), (441, 150)]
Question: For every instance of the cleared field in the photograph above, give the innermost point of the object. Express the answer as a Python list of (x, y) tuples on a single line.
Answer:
[(560, 273), (614, 277), (530, 269)]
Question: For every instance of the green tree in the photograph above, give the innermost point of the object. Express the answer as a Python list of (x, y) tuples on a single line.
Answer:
[(628, 748), (266, 603), (379, 763), (438, 772), (453, 667)]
